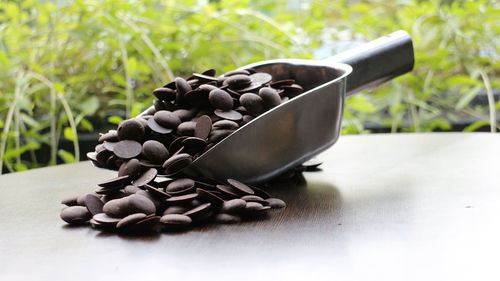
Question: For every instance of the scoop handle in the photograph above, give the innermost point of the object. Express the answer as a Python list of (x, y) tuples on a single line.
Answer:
[(377, 61)]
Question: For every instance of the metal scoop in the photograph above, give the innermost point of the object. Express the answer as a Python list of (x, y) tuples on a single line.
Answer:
[(297, 130)]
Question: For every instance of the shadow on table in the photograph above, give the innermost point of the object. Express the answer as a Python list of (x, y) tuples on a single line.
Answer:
[(308, 204)]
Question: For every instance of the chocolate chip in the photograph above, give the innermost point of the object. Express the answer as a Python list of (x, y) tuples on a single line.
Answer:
[(235, 72), (70, 201), (227, 190), (176, 219), (75, 215), (111, 135), (254, 198), (109, 145), (197, 98), (111, 196), (253, 206), (292, 90), (252, 103), (261, 78), (229, 115), (238, 81), (118, 182), (176, 145), (127, 149), (131, 168), (154, 126), (148, 224), (184, 114), (203, 78), (93, 203), (102, 156), (156, 192), (203, 127), (276, 203), (147, 194), (117, 208), (220, 99), (285, 82), (182, 86), (130, 220), (270, 97), (233, 206), (131, 189), (199, 212), (312, 164), (207, 88), (182, 198), (193, 145), (164, 94), (175, 210), (146, 178), (176, 163), (225, 124), (131, 129), (155, 151), (80, 199), (240, 187), (140, 204), (218, 135), (104, 219), (209, 72), (209, 197), (187, 128), (167, 119), (92, 156), (182, 184), (159, 105)]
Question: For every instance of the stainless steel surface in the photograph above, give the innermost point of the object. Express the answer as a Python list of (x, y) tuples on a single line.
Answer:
[(287, 135), (399, 207), (299, 129)]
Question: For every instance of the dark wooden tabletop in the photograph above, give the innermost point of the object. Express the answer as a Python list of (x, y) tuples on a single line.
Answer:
[(384, 207)]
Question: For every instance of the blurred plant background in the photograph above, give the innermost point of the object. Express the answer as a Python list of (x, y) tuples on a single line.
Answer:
[(72, 68)]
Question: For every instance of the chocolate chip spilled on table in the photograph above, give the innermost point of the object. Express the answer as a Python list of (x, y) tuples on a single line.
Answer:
[(189, 117)]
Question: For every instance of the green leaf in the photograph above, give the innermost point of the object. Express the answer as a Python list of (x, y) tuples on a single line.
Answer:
[(86, 125), (59, 87), (462, 80), (476, 125), (66, 156), (361, 104), (20, 167), (440, 123), (132, 66), (119, 80), (136, 110), (18, 151), (4, 60), (69, 134), (90, 105), (115, 119)]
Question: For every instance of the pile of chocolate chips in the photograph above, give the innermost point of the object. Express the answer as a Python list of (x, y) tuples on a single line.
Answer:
[(189, 116)]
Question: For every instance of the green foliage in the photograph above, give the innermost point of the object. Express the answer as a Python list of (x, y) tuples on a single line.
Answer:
[(457, 48), (63, 61)]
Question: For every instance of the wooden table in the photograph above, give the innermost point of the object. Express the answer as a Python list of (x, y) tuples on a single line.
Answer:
[(385, 207)]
